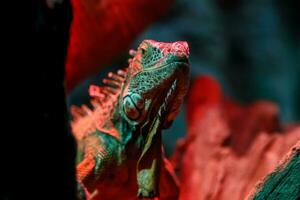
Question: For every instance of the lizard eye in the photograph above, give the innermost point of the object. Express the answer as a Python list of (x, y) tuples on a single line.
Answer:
[(143, 51)]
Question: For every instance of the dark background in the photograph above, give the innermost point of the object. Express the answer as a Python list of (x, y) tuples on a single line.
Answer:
[(39, 158)]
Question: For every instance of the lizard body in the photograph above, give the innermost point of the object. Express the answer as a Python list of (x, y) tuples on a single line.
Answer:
[(119, 139)]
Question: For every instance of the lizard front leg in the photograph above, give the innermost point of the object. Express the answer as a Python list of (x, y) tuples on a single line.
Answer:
[(98, 158), (84, 170), (148, 168)]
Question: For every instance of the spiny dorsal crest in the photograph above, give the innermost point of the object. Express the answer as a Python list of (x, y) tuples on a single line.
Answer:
[(104, 100)]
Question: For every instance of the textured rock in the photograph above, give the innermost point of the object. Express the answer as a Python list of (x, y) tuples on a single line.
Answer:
[(229, 147)]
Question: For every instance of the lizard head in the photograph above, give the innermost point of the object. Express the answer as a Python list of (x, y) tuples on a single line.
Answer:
[(156, 83), (157, 80)]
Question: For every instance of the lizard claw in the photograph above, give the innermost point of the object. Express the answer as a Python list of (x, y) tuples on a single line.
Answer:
[(81, 192), (145, 194)]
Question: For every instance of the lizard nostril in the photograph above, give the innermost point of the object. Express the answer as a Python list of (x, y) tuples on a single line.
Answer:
[(184, 44), (181, 48)]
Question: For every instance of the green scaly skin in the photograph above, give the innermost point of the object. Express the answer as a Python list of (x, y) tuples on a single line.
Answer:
[(127, 140)]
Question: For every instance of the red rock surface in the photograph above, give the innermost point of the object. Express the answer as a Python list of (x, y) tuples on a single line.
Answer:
[(103, 29), (229, 147)]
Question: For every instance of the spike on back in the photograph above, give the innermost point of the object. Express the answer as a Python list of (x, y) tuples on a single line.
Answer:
[(86, 120)]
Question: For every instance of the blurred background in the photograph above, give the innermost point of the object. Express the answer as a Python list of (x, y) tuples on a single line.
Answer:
[(251, 47)]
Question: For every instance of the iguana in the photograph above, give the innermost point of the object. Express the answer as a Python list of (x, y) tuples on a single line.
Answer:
[(119, 139)]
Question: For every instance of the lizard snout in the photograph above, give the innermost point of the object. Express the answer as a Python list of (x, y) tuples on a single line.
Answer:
[(181, 49)]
